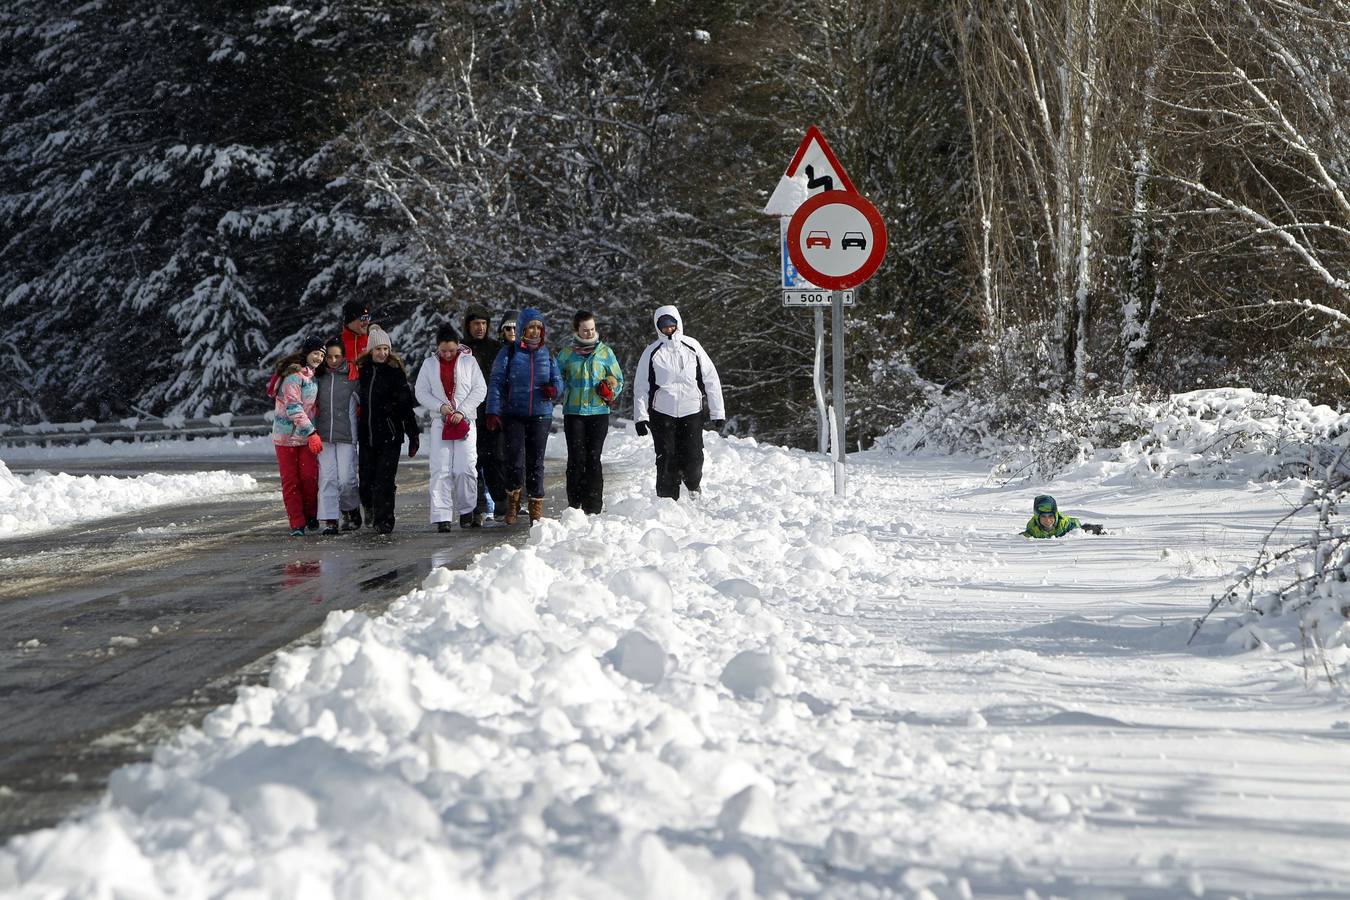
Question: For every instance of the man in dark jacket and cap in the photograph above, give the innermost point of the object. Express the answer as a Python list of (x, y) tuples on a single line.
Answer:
[(491, 444)]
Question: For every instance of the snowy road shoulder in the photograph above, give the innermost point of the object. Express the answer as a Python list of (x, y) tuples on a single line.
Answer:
[(767, 693), (44, 500), (55, 455)]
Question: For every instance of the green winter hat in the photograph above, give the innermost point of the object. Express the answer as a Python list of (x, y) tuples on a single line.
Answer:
[(1044, 504)]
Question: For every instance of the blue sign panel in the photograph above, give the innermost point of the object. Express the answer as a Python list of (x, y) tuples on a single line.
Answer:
[(791, 278)]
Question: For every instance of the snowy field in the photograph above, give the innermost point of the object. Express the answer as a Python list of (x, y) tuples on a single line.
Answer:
[(46, 500), (771, 693)]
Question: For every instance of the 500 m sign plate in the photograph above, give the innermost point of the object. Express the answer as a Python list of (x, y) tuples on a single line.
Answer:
[(813, 297)]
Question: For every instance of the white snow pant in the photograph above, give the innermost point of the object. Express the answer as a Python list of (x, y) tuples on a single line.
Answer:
[(337, 480), (454, 474)]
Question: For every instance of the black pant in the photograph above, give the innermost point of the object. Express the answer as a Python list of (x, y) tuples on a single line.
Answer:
[(526, 437), (379, 468), (585, 477), (491, 465), (679, 452)]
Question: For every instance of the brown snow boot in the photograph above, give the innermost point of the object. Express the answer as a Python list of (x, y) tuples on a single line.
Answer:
[(512, 506), (536, 509)]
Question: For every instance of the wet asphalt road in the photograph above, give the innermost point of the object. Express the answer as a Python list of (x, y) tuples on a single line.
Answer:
[(115, 634)]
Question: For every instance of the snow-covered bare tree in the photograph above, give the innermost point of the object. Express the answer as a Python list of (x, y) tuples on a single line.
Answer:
[(878, 79), (1259, 93), (1039, 81), (520, 174), (1152, 234)]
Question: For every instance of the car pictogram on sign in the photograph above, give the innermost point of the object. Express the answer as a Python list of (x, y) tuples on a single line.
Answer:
[(853, 239), (818, 239)]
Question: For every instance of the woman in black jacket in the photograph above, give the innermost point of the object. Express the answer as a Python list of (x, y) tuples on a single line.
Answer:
[(388, 415)]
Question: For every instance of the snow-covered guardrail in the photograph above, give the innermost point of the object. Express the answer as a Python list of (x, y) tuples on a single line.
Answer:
[(135, 428), (171, 427)]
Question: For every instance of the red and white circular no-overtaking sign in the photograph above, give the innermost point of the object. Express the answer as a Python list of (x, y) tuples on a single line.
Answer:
[(837, 240)]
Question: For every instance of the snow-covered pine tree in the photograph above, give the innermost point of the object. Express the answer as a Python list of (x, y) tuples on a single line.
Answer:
[(142, 145), (221, 334)]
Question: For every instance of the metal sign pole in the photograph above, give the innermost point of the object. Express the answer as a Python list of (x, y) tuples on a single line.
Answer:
[(840, 442), (818, 382), (832, 239)]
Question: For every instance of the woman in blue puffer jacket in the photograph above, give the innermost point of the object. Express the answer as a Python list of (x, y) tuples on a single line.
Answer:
[(524, 383)]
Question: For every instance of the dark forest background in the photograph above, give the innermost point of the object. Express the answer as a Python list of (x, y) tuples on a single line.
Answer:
[(1084, 197)]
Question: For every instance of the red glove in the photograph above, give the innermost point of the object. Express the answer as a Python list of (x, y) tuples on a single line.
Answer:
[(550, 392), (493, 422), (413, 444), (315, 444), (605, 391)]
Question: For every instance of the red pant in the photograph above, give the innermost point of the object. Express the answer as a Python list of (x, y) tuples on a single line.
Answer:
[(299, 483)]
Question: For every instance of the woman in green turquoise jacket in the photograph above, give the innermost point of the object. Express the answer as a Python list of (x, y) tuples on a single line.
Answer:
[(591, 382)]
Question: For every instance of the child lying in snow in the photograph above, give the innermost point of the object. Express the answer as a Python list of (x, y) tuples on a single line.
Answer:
[(1046, 522)]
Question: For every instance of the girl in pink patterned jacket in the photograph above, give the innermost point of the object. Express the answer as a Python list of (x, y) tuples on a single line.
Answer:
[(296, 442)]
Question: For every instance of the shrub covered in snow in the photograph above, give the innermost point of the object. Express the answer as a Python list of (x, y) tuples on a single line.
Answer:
[(1300, 593), (1223, 433)]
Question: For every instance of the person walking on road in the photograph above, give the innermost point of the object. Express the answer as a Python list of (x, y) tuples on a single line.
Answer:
[(506, 335), (450, 388), (525, 381), (491, 445), (675, 377), (388, 416), (506, 328), (336, 423), (592, 380), (355, 333), (294, 438)]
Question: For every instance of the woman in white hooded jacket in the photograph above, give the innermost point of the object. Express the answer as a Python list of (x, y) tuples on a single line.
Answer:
[(674, 377), (450, 388)]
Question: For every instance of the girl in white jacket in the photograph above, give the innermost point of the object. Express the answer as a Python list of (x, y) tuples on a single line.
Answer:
[(674, 378), (450, 388)]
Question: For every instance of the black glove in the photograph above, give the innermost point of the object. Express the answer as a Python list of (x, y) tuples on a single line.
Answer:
[(640, 428), (413, 444), (1092, 529), (717, 423)]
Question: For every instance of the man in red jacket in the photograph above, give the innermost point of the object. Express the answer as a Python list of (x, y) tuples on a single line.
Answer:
[(355, 328)]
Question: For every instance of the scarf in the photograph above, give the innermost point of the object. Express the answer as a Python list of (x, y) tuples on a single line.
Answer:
[(583, 347), (459, 430)]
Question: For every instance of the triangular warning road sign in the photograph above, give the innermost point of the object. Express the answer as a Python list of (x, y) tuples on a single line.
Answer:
[(814, 168)]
